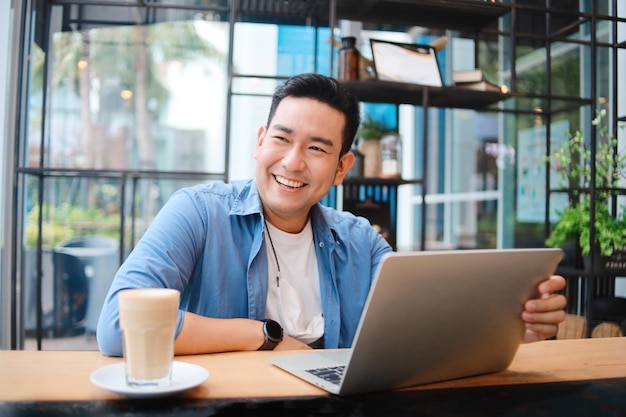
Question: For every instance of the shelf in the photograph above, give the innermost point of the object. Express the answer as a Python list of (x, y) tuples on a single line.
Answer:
[(378, 181), (462, 15), (283, 11), (375, 199), (402, 93)]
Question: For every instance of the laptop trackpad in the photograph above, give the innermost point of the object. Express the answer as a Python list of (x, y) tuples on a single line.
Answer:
[(301, 362), (340, 357)]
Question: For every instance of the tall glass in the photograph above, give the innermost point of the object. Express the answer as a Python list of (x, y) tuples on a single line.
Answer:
[(148, 318)]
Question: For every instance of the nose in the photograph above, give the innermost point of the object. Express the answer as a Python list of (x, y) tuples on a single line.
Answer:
[(293, 160)]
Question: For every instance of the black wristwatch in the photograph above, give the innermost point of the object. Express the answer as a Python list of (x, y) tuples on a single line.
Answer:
[(273, 333)]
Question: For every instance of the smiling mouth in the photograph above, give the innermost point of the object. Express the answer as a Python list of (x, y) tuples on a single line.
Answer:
[(288, 183)]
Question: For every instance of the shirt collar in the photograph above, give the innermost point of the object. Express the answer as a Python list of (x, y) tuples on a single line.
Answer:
[(248, 202)]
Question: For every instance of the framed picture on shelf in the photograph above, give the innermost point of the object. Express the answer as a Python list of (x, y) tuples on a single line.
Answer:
[(406, 63)]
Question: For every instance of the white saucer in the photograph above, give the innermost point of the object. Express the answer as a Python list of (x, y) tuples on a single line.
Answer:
[(184, 376)]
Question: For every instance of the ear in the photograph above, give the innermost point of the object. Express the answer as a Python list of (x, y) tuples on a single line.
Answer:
[(260, 135), (345, 163)]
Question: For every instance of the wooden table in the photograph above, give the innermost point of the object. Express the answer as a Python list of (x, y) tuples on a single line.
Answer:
[(587, 376)]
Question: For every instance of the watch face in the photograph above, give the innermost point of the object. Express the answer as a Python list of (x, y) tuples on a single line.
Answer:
[(274, 330)]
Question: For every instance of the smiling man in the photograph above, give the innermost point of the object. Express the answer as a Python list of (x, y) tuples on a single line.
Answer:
[(299, 157), (260, 264)]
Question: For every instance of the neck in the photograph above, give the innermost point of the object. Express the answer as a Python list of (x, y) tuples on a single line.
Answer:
[(295, 225)]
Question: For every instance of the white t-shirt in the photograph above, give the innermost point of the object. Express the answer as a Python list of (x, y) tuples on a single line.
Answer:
[(293, 299)]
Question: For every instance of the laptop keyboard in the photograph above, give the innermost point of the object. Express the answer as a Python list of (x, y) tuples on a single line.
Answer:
[(332, 374)]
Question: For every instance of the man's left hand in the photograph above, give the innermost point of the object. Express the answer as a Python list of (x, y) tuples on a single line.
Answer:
[(542, 315)]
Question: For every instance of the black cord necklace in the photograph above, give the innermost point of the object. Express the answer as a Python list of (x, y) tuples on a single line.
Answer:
[(275, 256)]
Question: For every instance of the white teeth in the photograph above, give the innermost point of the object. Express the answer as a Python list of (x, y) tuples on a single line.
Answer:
[(289, 183)]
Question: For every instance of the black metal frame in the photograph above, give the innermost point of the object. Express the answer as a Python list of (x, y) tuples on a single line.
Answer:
[(451, 14)]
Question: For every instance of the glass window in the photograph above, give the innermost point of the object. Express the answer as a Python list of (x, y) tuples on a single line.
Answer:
[(568, 62), (82, 246), (476, 155), (244, 132), (530, 26), (134, 97), (285, 51), (120, 117), (6, 114), (530, 68)]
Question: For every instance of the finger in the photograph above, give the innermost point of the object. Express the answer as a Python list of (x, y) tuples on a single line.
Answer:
[(550, 302), (535, 333), (553, 284), (550, 318)]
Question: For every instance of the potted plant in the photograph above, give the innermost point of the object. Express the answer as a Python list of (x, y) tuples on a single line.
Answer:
[(573, 162), (369, 134)]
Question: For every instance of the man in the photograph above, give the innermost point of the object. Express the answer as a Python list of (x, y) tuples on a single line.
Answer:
[(265, 248)]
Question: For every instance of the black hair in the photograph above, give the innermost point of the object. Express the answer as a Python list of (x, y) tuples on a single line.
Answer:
[(326, 90)]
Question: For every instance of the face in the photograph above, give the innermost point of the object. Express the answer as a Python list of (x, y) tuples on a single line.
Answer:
[(297, 160)]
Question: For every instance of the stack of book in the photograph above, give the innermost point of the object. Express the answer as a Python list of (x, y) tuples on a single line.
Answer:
[(475, 79)]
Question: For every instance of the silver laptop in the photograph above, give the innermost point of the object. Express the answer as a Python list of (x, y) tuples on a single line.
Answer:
[(432, 316)]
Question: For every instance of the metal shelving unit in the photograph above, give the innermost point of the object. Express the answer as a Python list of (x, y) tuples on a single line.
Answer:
[(468, 16)]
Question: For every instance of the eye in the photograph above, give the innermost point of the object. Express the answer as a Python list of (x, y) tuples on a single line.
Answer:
[(280, 138), (317, 149)]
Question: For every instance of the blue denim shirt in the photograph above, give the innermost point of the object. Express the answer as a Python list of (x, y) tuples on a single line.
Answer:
[(207, 242)]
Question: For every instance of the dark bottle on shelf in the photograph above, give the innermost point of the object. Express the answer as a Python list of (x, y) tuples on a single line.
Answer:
[(348, 60)]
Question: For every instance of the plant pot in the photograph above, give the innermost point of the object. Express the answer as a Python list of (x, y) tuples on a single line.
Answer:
[(614, 264), (371, 157), (570, 254)]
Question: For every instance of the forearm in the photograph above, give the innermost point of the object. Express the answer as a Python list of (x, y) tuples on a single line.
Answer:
[(201, 334)]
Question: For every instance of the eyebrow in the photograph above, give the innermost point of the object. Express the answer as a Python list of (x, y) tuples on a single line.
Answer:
[(319, 139)]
